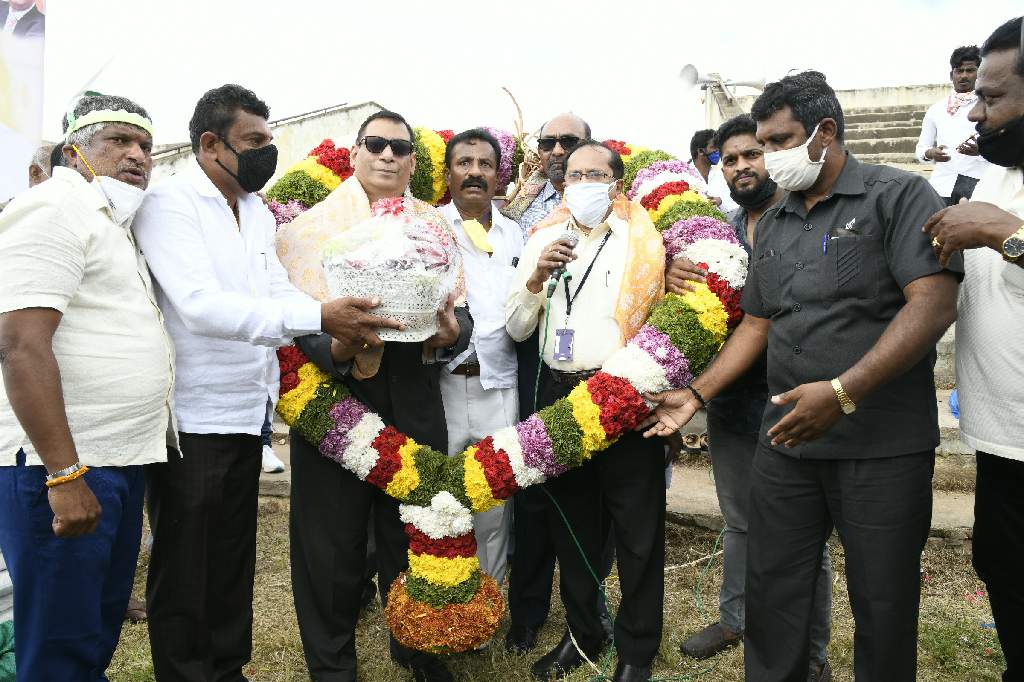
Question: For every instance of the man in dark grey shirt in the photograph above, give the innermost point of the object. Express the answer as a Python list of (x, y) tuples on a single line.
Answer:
[(847, 295)]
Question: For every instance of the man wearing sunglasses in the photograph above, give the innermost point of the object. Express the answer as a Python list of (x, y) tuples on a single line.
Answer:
[(398, 381)]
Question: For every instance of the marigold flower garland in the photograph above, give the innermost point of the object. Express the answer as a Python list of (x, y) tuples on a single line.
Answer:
[(443, 603)]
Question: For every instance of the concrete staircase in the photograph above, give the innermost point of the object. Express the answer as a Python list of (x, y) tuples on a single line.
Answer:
[(886, 135)]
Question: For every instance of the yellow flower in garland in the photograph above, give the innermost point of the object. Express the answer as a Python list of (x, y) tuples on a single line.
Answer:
[(671, 200), (325, 176), (407, 478), (633, 151), (436, 147), (441, 570), (588, 416), (478, 490), (710, 311), (292, 403)]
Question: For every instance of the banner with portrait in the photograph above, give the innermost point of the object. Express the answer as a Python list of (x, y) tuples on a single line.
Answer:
[(22, 35)]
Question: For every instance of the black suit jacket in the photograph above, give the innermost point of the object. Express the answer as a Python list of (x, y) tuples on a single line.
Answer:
[(33, 24), (405, 392)]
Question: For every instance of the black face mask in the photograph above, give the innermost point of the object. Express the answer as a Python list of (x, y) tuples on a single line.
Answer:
[(255, 166), (1004, 146), (758, 198)]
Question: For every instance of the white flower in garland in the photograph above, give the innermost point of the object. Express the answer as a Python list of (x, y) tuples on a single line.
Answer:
[(446, 517), (508, 440), (660, 179), (728, 260), (637, 367), (360, 456)]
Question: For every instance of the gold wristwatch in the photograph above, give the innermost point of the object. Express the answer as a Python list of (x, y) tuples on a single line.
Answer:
[(1013, 246), (847, 405)]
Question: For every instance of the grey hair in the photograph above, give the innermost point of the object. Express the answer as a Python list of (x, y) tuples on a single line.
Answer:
[(83, 138), (42, 157)]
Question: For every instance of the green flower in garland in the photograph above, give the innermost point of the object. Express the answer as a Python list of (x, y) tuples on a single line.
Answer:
[(422, 182), (301, 187), (679, 321), (688, 209), (440, 596), (565, 433), (641, 160), (437, 472), (315, 420)]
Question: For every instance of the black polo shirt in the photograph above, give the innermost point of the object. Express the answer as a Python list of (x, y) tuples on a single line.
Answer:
[(831, 281)]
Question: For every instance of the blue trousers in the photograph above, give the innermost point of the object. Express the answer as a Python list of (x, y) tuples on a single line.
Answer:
[(70, 595)]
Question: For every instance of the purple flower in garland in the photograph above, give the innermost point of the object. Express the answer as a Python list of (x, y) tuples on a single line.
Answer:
[(333, 445), (686, 232), (657, 167), (285, 213), (536, 445), (347, 414), (508, 146), (659, 346)]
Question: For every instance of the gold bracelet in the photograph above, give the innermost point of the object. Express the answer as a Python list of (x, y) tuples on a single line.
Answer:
[(847, 405), (67, 479)]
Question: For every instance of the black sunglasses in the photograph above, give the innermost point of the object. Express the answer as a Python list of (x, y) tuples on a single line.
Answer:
[(568, 142), (376, 145)]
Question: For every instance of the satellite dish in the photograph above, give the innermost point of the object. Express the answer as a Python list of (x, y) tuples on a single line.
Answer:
[(689, 75)]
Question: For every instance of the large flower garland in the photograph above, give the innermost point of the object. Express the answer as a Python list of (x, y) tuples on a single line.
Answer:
[(444, 603)]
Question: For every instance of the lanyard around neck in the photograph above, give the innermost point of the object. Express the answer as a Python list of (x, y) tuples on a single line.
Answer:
[(569, 299)]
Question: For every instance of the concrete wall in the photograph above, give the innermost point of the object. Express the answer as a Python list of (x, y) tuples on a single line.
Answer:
[(294, 138), (921, 96)]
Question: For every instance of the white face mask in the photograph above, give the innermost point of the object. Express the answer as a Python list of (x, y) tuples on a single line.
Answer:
[(124, 199), (792, 169), (588, 202)]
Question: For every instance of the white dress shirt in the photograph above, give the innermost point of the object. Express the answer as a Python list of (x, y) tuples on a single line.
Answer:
[(226, 297), (939, 128), (488, 279), (989, 329), (13, 17), (60, 249), (596, 331), (718, 187)]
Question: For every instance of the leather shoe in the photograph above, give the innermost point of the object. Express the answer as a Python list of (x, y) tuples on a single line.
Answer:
[(561, 660), (823, 674), (627, 672), (520, 639), (432, 671), (710, 641)]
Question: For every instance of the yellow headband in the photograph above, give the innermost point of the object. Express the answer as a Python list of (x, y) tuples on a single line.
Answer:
[(109, 116)]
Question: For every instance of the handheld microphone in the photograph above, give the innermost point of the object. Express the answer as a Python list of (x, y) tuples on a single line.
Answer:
[(573, 239)]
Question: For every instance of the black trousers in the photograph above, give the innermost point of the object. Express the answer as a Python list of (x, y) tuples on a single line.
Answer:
[(533, 560), (622, 488), (999, 551), (330, 510), (882, 511), (202, 512)]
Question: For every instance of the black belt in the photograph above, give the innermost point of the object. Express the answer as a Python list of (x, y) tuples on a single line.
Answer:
[(572, 377)]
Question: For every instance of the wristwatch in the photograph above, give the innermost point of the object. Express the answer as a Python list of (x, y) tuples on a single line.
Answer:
[(1013, 246), (847, 405)]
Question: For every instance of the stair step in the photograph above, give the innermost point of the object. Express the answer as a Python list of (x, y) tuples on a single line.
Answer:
[(866, 133), (858, 117), (907, 108), (900, 123), (883, 145), (899, 159)]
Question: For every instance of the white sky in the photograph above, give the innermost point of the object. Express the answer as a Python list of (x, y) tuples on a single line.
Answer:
[(442, 64)]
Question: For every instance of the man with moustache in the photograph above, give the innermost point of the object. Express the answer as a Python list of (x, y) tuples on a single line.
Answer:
[(990, 229), (399, 381), (947, 135), (734, 416), (479, 386)]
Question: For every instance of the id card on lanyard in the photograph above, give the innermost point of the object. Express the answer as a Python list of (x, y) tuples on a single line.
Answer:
[(565, 337)]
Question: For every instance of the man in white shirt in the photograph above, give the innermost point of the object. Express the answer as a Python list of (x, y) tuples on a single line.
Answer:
[(209, 241), (991, 324), (948, 137), (88, 377), (616, 276), (479, 386)]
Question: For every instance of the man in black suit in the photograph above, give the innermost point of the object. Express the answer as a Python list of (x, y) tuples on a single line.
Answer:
[(330, 505), (22, 18)]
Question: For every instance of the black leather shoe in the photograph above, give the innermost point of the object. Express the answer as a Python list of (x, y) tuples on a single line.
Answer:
[(432, 671), (627, 672), (561, 660), (709, 641), (520, 639)]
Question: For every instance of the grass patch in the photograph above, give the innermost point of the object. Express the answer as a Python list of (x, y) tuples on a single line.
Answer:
[(953, 645)]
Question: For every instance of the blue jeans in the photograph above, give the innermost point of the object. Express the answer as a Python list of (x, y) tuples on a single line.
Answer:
[(70, 595)]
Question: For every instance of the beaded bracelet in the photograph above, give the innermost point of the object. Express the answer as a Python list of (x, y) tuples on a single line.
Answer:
[(61, 480), (697, 395)]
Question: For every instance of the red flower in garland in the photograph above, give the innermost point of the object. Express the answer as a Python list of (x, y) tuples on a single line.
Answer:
[(291, 359), (386, 444), (449, 548), (622, 408), (335, 158), (651, 201), (729, 297), (388, 206), (617, 145), (289, 381), (497, 469), (446, 135)]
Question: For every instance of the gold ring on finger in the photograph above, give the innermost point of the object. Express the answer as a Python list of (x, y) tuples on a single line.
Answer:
[(936, 243)]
